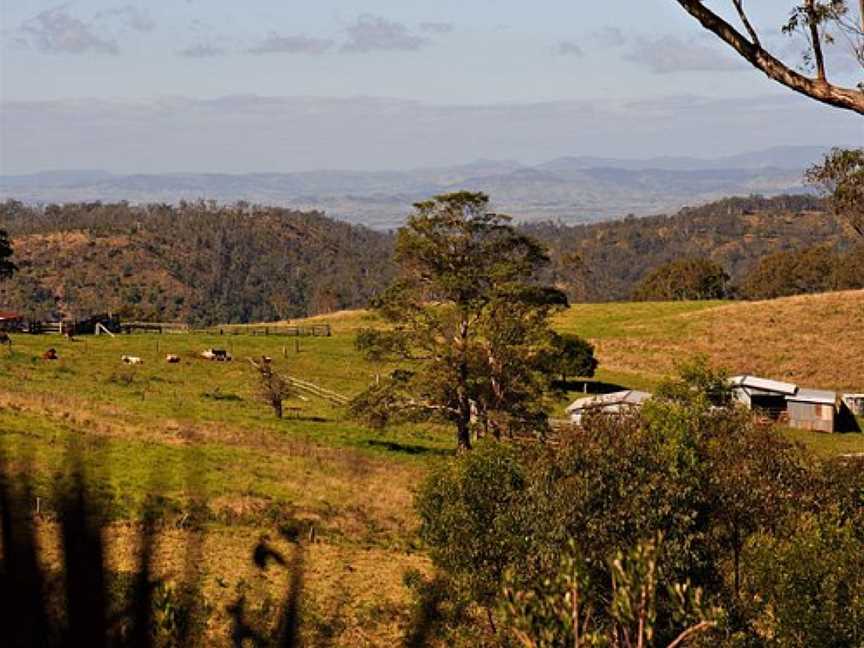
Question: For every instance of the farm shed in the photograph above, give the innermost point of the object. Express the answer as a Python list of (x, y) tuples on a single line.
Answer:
[(813, 409), (621, 401), (762, 395), (10, 321)]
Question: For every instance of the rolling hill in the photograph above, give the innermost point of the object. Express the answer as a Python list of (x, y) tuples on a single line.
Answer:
[(205, 264), (570, 189)]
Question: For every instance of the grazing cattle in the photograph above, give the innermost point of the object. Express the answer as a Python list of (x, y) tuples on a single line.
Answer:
[(50, 354), (266, 359), (132, 360), (5, 340), (172, 359), (218, 355)]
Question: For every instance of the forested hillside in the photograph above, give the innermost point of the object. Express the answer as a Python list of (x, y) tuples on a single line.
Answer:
[(196, 262), (606, 261), (204, 263)]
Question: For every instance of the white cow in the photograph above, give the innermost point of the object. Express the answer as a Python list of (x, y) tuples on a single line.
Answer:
[(131, 360)]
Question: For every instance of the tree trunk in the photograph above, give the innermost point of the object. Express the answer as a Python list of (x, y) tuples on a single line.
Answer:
[(277, 408), (463, 423), (737, 561)]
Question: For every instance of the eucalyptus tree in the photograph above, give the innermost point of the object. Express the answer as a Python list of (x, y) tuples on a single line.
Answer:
[(466, 322)]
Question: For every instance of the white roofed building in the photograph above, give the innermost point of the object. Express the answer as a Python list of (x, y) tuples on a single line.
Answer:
[(616, 402), (762, 394)]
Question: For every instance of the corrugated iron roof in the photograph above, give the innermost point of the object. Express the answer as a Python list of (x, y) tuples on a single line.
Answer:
[(9, 315), (821, 396), (764, 384), (626, 397)]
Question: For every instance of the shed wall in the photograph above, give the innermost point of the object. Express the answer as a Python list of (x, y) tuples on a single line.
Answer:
[(811, 416)]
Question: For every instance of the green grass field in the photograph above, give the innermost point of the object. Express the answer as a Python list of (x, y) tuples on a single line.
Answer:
[(196, 428)]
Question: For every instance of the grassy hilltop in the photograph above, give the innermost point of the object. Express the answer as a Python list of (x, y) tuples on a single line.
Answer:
[(196, 429)]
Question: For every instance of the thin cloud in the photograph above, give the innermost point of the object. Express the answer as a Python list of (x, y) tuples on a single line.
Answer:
[(570, 48), (291, 44), (56, 31), (608, 36), (669, 54), (131, 17), (202, 51), (437, 27), (374, 33)]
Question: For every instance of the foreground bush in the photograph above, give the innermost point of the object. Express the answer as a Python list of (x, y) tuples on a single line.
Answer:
[(734, 502)]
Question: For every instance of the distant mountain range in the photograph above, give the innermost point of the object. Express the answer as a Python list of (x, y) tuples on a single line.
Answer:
[(567, 189)]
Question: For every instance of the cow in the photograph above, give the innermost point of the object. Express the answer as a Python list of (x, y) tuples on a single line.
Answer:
[(172, 359), (5, 340), (50, 354), (219, 355), (131, 360)]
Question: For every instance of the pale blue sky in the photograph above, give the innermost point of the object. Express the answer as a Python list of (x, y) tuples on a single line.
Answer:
[(122, 68)]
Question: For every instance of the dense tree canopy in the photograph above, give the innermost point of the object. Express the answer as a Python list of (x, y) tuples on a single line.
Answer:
[(466, 319), (685, 279), (812, 270)]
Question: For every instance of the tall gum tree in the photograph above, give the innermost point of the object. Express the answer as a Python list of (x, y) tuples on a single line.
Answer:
[(466, 324)]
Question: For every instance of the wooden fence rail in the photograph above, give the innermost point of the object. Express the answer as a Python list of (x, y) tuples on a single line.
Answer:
[(317, 390), (315, 330)]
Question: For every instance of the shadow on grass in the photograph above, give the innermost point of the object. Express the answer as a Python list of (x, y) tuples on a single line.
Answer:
[(409, 448), (588, 386), (846, 421), (82, 602)]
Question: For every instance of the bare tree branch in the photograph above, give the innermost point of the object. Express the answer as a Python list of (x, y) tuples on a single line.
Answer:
[(815, 40), (818, 89), (739, 7)]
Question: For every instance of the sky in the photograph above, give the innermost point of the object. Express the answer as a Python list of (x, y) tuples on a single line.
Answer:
[(267, 85)]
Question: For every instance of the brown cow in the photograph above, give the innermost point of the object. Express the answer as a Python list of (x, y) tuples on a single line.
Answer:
[(50, 354), (5, 340)]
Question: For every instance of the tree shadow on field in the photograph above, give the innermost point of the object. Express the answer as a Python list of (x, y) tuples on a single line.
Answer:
[(408, 448)]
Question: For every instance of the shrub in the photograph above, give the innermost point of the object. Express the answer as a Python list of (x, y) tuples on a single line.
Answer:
[(684, 279)]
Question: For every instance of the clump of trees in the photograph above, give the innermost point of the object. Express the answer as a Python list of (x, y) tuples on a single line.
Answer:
[(684, 279), (468, 324), (812, 270), (568, 355), (688, 515)]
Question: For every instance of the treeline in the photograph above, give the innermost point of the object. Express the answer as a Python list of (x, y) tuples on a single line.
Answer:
[(196, 262)]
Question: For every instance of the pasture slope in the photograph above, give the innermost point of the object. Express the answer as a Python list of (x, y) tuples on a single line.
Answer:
[(195, 429), (814, 340)]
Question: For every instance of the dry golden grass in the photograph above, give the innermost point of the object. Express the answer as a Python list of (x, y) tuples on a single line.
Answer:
[(353, 594), (814, 340)]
